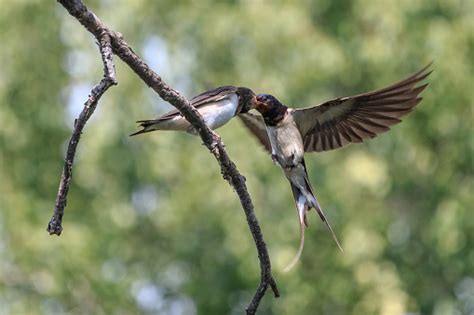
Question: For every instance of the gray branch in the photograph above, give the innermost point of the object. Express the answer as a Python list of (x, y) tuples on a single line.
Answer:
[(55, 224), (212, 141)]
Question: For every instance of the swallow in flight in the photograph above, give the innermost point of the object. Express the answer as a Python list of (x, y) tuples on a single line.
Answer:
[(288, 133), (217, 106)]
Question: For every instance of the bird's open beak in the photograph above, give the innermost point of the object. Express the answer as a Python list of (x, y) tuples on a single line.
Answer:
[(253, 102), (259, 105)]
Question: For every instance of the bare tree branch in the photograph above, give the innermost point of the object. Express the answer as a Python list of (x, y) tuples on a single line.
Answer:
[(54, 226), (212, 141)]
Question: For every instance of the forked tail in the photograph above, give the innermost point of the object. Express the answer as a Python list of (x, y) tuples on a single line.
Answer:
[(147, 126), (303, 205), (164, 122)]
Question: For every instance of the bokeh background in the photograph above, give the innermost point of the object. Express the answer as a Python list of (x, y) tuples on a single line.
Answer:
[(151, 227)]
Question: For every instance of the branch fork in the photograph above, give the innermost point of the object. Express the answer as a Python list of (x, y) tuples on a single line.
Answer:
[(55, 224), (111, 42)]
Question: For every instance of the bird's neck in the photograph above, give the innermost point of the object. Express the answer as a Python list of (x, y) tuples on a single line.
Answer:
[(273, 116)]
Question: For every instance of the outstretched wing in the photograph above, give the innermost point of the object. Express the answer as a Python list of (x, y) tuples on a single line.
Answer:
[(345, 120), (256, 125)]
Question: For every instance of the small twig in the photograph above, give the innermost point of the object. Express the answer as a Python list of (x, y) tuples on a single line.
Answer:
[(212, 141), (54, 225)]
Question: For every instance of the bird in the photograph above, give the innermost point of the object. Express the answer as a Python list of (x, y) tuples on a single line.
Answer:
[(217, 106), (287, 133)]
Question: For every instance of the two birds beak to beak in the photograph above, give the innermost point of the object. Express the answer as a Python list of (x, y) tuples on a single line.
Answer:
[(287, 133)]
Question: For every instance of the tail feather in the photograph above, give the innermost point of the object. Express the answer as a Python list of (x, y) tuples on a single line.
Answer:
[(147, 125), (139, 132), (315, 205), (300, 249), (302, 207), (325, 220)]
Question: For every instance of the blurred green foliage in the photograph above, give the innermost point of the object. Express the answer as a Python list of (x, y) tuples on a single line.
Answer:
[(150, 225)]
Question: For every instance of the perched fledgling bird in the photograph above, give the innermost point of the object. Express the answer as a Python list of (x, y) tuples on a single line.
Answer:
[(288, 133), (217, 106)]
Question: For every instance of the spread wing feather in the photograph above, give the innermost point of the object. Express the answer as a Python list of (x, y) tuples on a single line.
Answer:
[(353, 119)]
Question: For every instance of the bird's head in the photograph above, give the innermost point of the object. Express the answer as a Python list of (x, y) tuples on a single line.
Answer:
[(267, 102), (271, 108), (247, 99)]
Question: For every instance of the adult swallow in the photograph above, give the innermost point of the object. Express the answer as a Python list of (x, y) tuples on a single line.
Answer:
[(288, 133), (217, 106)]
